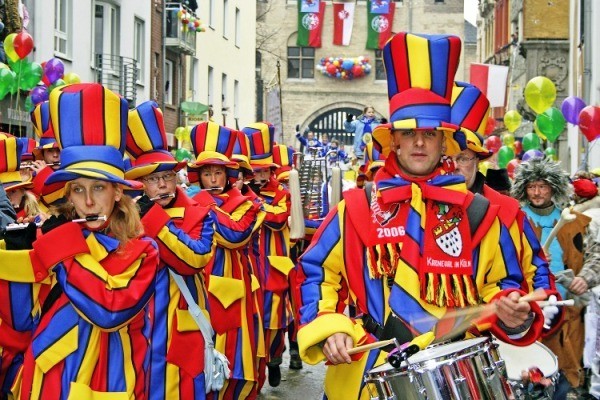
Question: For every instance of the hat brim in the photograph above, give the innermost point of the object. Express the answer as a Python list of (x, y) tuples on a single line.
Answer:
[(212, 158), (455, 139), (147, 169), (38, 152), (258, 166), (14, 186)]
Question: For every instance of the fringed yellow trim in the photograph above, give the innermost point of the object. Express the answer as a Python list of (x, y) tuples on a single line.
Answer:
[(471, 290), (382, 260), (448, 290)]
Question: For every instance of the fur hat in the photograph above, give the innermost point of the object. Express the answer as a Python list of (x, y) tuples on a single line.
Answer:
[(542, 169)]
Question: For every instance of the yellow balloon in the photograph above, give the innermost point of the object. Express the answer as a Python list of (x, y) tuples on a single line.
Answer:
[(508, 139), (512, 120), (484, 166), (540, 94), (71, 77), (9, 47), (538, 132), (180, 133)]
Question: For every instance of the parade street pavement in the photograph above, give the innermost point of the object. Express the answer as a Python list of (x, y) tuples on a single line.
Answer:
[(302, 384)]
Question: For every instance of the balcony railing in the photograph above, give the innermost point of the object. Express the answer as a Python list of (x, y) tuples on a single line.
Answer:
[(118, 74), (178, 39)]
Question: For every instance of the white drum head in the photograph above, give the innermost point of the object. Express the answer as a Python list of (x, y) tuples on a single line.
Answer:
[(434, 353), (382, 368), (521, 358)]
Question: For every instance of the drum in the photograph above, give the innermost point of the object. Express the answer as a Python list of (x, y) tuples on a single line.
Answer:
[(523, 359), (458, 371)]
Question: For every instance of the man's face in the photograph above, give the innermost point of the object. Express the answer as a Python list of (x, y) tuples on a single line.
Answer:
[(261, 176), (215, 177), (52, 156), (466, 165), (539, 193), (418, 151)]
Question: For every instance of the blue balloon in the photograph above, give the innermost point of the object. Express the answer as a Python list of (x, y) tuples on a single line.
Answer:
[(529, 154), (347, 65)]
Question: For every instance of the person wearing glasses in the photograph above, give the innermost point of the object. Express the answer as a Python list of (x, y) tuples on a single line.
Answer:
[(184, 233)]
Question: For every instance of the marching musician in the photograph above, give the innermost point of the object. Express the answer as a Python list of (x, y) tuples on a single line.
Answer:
[(424, 246), (183, 230), (232, 283), (91, 340)]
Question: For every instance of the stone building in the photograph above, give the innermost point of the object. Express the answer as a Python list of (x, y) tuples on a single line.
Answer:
[(320, 103)]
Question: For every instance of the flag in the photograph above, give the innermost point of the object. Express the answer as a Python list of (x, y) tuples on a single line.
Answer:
[(380, 18), (491, 80), (343, 19), (310, 23)]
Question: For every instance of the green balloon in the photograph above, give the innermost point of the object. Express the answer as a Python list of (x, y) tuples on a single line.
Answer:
[(531, 141), (183, 155), (6, 82), (56, 84), (29, 104), (505, 154), (30, 76), (551, 153), (551, 123)]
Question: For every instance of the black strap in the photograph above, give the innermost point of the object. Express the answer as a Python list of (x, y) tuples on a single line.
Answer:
[(54, 294), (476, 212)]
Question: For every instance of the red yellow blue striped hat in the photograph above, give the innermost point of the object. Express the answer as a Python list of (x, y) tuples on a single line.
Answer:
[(213, 145), (470, 110), (28, 145), (90, 123), (10, 154), (146, 142), (373, 160), (241, 151), (261, 135), (420, 74), (42, 126), (284, 157)]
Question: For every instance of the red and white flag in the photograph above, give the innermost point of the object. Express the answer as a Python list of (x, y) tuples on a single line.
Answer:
[(343, 19), (491, 80)]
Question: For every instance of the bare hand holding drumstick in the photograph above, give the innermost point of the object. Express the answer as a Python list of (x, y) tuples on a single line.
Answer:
[(336, 348)]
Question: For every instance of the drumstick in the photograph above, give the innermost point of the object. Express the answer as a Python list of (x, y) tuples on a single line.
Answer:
[(536, 295), (371, 346), (570, 302), (565, 218)]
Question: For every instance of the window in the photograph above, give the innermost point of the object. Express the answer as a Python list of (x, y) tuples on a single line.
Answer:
[(106, 31), (193, 83), (225, 18), (211, 84), (62, 27), (224, 89), (379, 66), (237, 27), (301, 62), (139, 36), (236, 99), (211, 13), (169, 81), (155, 72)]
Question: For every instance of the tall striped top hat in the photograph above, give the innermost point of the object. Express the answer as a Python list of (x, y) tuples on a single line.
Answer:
[(10, 153), (146, 142), (213, 145), (90, 123), (241, 151), (420, 73), (28, 145), (373, 159), (470, 110), (261, 135), (42, 126), (284, 157)]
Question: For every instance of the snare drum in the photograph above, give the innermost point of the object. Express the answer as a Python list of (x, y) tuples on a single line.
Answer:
[(518, 359), (458, 371)]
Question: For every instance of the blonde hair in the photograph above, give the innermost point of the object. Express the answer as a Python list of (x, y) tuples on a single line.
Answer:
[(124, 222), (31, 206)]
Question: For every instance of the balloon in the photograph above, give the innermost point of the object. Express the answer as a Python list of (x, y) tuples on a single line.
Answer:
[(347, 65), (505, 154), (550, 152), (512, 120), (490, 126), (540, 94), (23, 44), (508, 139), (484, 166), (537, 131), (57, 83), (493, 143), (71, 77), (331, 69), (357, 71), (529, 154), (511, 167), (1, 26), (30, 75), (531, 141), (6, 82), (571, 107), (589, 122), (9, 48), (38, 94), (179, 132), (54, 69), (551, 123), (29, 106), (183, 155), (4, 66), (518, 146)]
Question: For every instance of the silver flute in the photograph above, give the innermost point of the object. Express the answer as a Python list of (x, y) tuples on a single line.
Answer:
[(89, 218), (162, 196)]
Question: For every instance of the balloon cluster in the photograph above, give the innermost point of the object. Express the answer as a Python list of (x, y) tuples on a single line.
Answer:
[(53, 76), (344, 68), (190, 22)]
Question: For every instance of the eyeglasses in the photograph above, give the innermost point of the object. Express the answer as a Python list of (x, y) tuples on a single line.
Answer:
[(542, 187), (154, 179), (462, 160)]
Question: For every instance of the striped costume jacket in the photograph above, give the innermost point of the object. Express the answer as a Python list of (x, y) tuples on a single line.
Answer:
[(185, 236)]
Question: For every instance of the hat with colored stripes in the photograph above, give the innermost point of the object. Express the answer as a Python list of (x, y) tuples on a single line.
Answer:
[(89, 122), (261, 136), (146, 142), (28, 145), (470, 110), (284, 157), (241, 151), (420, 74), (373, 160), (42, 126), (10, 153), (213, 145)]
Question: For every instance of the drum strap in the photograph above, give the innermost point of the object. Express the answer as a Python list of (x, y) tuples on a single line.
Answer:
[(393, 328)]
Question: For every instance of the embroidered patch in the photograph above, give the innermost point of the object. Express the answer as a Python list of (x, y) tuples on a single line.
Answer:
[(446, 233), (382, 214)]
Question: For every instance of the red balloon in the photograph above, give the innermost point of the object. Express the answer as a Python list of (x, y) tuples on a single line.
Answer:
[(23, 44), (511, 166), (491, 125), (331, 69), (357, 71), (589, 122), (518, 147), (493, 143)]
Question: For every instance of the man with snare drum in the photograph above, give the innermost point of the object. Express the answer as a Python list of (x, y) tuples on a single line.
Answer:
[(423, 246)]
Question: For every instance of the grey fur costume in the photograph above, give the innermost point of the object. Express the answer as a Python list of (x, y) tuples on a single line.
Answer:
[(542, 169)]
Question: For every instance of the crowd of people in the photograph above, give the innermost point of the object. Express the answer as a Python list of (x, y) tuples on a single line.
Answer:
[(118, 282)]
